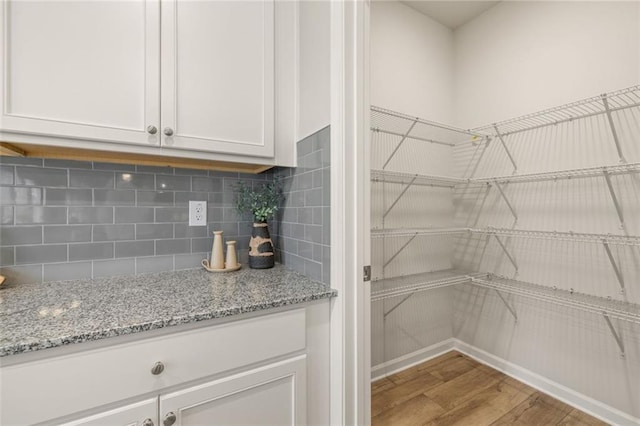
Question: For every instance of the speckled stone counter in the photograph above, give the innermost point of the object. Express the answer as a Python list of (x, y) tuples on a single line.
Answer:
[(40, 316)]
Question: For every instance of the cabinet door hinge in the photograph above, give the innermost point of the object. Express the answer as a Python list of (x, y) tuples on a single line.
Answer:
[(367, 273)]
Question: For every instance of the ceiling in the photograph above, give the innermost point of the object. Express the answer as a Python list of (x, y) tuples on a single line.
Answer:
[(451, 14)]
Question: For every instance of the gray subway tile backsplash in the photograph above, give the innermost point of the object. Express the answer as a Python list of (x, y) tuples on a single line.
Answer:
[(7, 256), (20, 195), (6, 175), (114, 232), (20, 235), (36, 176), (79, 215), (134, 248), (67, 271), (153, 231), (67, 233), (28, 215), (114, 197), (90, 251), (64, 220), (145, 265), (41, 254), (173, 246), (91, 179), (112, 268), (6, 215), (68, 197), (128, 180), (134, 214)]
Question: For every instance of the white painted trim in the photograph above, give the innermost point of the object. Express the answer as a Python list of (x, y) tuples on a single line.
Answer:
[(570, 397), (409, 360), (338, 304)]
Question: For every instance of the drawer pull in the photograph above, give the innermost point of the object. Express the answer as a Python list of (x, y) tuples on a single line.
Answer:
[(158, 368), (152, 130), (147, 422), (168, 131), (169, 419)]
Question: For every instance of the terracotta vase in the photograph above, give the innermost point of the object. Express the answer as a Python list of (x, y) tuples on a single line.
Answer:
[(261, 254)]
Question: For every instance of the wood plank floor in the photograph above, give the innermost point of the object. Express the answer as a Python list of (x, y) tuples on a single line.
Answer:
[(454, 389)]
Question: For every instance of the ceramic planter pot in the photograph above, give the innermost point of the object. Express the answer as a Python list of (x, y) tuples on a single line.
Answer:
[(261, 255)]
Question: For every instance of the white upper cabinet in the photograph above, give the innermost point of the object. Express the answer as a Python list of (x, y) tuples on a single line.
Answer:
[(197, 78), (218, 76), (79, 69)]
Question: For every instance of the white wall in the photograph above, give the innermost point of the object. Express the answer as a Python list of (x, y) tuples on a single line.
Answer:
[(411, 62), (314, 110), (411, 72), (518, 58), (524, 56)]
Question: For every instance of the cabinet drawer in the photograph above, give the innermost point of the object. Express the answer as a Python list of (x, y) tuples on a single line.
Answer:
[(66, 384)]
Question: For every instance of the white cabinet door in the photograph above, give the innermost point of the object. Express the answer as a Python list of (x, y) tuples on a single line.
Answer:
[(141, 413), (218, 76), (81, 69), (271, 395)]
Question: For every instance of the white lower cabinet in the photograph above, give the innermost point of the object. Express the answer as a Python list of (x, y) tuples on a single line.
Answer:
[(141, 413), (272, 395), (260, 370)]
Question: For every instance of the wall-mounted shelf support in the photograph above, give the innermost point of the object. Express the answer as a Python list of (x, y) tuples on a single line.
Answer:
[(605, 101), (397, 305), (484, 149), (404, 190), (399, 251), (506, 200), (404, 138), (513, 311), (614, 265), (506, 252), (504, 145), (614, 198), (615, 334)]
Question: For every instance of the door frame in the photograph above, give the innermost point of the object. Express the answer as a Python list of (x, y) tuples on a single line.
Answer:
[(350, 212)]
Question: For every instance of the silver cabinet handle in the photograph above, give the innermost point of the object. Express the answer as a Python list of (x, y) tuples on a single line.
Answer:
[(168, 131), (147, 422), (152, 130), (169, 419), (157, 368)]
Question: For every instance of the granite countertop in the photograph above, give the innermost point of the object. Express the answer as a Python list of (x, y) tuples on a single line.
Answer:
[(46, 315)]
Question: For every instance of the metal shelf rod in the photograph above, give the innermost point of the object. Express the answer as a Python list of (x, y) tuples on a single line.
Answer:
[(614, 309), (616, 101), (427, 122)]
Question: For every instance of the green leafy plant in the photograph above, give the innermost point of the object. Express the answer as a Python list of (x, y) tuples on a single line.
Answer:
[(263, 202)]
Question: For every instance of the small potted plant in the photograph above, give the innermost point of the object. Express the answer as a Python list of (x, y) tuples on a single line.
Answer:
[(262, 203)]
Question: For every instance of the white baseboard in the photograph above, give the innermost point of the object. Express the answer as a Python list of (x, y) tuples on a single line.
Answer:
[(568, 396), (402, 363)]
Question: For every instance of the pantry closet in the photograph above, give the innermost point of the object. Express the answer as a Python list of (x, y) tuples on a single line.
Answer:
[(513, 240)]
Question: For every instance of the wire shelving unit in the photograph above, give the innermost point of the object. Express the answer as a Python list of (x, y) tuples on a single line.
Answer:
[(404, 127)]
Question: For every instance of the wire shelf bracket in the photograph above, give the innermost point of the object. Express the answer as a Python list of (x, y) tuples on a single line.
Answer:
[(615, 334), (614, 198), (614, 265), (506, 252), (612, 126), (404, 138), (404, 190), (399, 251), (509, 307), (506, 200), (506, 149)]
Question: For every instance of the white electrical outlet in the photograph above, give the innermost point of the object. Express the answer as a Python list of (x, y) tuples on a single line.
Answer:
[(197, 213)]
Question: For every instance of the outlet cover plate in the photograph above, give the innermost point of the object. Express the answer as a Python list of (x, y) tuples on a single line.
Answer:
[(197, 213)]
